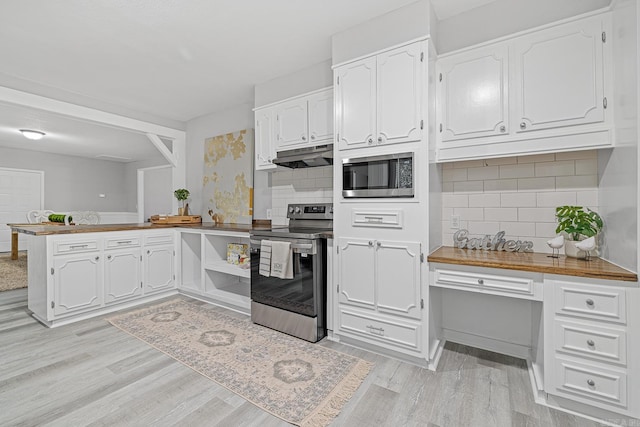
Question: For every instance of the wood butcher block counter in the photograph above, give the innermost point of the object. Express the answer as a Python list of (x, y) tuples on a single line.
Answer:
[(44, 230), (533, 261)]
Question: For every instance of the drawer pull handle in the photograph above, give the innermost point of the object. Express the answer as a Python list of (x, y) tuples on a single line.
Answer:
[(591, 383), (124, 242), (591, 343), (590, 302), (480, 282), (374, 330), (78, 246)]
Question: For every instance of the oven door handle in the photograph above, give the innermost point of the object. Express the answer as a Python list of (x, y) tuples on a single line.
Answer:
[(293, 245)]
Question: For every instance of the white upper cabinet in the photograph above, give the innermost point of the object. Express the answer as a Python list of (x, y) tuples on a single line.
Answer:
[(265, 139), (474, 93), (303, 121), (541, 92), (379, 99), (292, 127), (559, 75)]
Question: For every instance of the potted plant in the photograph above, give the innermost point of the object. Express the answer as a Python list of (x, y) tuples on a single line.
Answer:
[(181, 194), (577, 224)]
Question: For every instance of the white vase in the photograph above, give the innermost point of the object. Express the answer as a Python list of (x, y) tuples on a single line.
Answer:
[(570, 250)]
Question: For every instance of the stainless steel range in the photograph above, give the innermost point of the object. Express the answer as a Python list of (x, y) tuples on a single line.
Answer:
[(296, 306)]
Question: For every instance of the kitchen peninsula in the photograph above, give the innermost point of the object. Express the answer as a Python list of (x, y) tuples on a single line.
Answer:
[(77, 272)]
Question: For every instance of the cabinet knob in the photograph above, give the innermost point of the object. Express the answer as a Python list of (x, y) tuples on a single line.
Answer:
[(589, 302), (591, 343), (591, 383), (97, 258), (370, 242), (304, 138), (379, 244), (109, 257), (148, 252), (370, 141), (523, 125), (503, 128), (480, 281), (379, 140), (313, 137)]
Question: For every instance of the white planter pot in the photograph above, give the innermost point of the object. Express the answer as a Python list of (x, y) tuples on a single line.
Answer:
[(570, 250)]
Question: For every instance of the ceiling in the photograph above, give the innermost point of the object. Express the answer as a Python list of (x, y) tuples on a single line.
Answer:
[(170, 59)]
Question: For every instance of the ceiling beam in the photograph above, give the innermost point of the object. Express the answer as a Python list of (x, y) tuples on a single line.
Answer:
[(166, 153)]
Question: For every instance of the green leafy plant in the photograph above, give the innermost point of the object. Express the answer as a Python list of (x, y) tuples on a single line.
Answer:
[(181, 194), (576, 222)]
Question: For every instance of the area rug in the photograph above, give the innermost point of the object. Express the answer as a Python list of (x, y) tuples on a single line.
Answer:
[(302, 383), (13, 273)]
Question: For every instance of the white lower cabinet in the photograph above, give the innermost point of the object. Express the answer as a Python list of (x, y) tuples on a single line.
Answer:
[(76, 276), (122, 275), (77, 283), (379, 297), (589, 340)]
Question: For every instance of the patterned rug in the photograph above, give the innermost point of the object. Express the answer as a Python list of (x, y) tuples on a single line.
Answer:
[(13, 273), (302, 383)]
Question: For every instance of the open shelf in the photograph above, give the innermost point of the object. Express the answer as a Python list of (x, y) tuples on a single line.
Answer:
[(225, 267), (228, 289), (190, 263)]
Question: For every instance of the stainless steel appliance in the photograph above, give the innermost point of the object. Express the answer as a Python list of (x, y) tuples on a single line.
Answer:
[(390, 175), (295, 306), (320, 155)]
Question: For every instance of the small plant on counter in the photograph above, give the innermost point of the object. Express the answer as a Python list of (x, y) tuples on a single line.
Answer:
[(577, 222), (181, 194)]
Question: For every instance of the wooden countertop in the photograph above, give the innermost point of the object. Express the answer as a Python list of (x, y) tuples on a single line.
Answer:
[(532, 261), (45, 230)]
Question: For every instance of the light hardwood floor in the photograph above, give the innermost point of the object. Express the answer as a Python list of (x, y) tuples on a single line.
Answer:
[(90, 373)]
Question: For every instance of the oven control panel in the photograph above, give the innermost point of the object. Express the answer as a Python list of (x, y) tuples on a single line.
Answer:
[(310, 211)]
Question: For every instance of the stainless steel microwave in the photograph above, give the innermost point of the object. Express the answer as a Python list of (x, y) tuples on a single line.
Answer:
[(390, 175)]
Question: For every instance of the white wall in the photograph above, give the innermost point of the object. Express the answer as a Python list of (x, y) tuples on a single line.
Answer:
[(201, 128), (398, 26), (158, 191), (504, 17), (74, 183), (619, 167), (317, 76), (131, 175), (517, 195)]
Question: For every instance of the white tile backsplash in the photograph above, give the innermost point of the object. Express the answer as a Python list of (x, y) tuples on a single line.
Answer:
[(522, 198), (308, 185)]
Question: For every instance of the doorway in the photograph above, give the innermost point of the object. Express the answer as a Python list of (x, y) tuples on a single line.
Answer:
[(155, 191), (21, 191)]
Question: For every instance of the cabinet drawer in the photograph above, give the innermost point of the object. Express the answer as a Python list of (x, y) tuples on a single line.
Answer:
[(391, 331), (75, 246), (590, 381), (122, 242), (590, 302), (388, 219), (484, 282), (158, 239), (606, 344)]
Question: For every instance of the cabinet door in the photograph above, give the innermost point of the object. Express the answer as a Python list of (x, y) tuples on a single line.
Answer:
[(158, 268), (400, 75), (77, 283), (355, 104), (265, 135), (291, 125), (122, 275), (560, 76), (321, 117), (473, 94), (356, 272), (398, 278)]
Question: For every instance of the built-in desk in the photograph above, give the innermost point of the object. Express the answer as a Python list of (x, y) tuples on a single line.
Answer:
[(575, 322)]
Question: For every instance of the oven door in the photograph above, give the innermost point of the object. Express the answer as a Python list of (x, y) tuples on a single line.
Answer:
[(304, 294)]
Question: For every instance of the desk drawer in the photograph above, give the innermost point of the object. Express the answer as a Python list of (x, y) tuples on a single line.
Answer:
[(591, 302), (75, 246), (484, 282), (605, 344), (397, 333), (590, 381)]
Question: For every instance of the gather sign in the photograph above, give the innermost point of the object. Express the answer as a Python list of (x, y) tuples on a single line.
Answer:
[(488, 243)]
